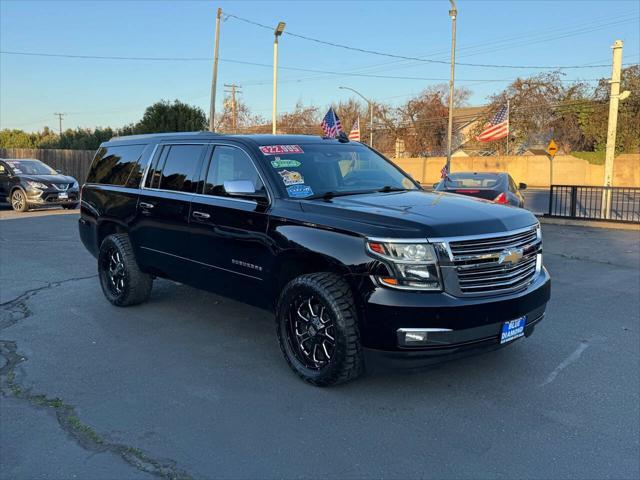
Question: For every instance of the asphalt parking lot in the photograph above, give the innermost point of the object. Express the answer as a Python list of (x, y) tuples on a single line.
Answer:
[(192, 385)]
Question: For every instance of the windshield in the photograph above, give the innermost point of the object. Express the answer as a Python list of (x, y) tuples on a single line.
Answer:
[(311, 171), (471, 180), (30, 167)]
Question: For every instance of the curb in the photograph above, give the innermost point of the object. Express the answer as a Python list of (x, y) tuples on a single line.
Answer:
[(587, 223)]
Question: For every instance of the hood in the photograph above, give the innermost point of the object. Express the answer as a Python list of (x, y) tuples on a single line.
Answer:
[(420, 214), (47, 178)]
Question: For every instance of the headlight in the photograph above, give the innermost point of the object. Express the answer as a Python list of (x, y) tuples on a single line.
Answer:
[(75, 184), (413, 266), (39, 185)]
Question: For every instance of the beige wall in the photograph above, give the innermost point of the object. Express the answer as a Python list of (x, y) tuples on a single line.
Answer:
[(532, 170)]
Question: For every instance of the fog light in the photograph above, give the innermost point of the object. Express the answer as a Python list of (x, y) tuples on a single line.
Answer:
[(416, 337), (413, 337)]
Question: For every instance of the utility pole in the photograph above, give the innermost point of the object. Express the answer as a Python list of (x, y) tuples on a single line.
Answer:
[(614, 100), (233, 88), (453, 13), (60, 115), (277, 32), (214, 77)]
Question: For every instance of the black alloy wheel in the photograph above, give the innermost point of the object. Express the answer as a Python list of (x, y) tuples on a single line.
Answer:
[(317, 327), (122, 281), (311, 332)]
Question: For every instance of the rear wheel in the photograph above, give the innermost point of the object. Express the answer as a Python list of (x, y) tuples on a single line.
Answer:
[(19, 201), (317, 329), (122, 281)]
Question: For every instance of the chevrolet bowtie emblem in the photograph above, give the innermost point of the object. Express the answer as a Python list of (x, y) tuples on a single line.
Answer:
[(510, 257)]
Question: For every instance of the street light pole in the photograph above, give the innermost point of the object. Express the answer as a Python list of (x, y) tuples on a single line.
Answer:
[(370, 112), (453, 13), (278, 31), (214, 76)]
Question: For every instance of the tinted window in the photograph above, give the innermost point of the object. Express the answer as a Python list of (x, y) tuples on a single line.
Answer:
[(471, 180), (115, 165), (230, 163), (179, 168)]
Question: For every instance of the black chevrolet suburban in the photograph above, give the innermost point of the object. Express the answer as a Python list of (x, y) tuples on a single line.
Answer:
[(347, 250)]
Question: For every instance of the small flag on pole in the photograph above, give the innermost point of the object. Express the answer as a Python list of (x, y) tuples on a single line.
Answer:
[(354, 134), (497, 128), (331, 125), (444, 172)]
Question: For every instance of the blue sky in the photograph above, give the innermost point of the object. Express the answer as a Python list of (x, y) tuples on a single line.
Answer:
[(99, 92)]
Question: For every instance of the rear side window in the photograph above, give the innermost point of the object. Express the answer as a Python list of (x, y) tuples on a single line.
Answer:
[(175, 168), (118, 165)]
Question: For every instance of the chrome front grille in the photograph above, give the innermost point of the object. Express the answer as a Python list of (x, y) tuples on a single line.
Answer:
[(62, 187), (496, 264)]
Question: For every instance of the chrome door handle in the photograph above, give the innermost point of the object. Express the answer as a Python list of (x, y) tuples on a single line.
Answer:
[(146, 205), (201, 214)]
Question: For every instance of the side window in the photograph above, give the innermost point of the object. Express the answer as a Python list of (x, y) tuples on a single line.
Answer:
[(512, 185), (179, 167), (114, 165), (230, 163)]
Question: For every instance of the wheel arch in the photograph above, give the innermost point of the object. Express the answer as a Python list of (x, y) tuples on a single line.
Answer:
[(106, 227)]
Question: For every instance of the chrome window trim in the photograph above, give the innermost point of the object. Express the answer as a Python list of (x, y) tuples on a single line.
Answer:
[(213, 144)]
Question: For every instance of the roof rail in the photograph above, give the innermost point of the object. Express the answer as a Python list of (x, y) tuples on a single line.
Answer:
[(164, 134)]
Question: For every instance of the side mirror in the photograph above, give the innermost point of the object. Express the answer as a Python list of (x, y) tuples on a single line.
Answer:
[(242, 188), (522, 186), (59, 171)]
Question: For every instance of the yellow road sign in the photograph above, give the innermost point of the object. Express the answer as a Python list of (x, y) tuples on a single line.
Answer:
[(552, 148)]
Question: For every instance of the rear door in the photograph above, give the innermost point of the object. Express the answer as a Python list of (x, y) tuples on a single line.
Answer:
[(161, 229), (228, 234)]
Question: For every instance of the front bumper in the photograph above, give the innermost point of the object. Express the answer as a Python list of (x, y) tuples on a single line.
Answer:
[(52, 197), (466, 323)]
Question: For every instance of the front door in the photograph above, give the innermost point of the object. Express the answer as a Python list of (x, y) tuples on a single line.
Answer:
[(161, 227), (228, 234), (4, 182)]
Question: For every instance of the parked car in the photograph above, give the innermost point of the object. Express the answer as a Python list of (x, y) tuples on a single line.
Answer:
[(346, 249), (26, 183), (497, 187)]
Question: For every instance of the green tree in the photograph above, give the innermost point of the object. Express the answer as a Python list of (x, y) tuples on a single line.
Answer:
[(165, 116)]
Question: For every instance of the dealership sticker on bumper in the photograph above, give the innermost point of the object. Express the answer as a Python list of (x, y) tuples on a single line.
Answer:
[(513, 329)]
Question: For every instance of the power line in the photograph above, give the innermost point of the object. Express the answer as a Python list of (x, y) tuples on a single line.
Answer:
[(405, 57), (60, 115)]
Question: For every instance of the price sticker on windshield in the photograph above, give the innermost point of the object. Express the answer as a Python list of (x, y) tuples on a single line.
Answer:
[(280, 149)]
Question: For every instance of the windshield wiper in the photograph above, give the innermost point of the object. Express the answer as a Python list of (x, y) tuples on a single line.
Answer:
[(389, 188), (331, 194)]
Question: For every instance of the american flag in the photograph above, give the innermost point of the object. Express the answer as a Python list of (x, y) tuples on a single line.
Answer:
[(354, 134), (444, 172), (497, 128), (331, 125)]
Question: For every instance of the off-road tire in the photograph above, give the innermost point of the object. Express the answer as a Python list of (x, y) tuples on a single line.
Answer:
[(19, 200), (335, 295), (137, 284)]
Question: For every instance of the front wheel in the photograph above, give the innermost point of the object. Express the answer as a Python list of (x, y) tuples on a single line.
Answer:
[(317, 329), (122, 281), (19, 201)]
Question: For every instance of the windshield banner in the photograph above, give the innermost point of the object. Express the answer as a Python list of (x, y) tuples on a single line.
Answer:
[(280, 149)]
